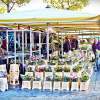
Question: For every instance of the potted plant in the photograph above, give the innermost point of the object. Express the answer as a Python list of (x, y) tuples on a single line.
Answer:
[(77, 68), (65, 82), (37, 83), (84, 81), (74, 86), (57, 82), (48, 72), (58, 69), (32, 65), (47, 84), (52, 62), (26, 81)]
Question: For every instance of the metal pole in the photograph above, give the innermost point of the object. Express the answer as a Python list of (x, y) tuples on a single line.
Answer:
[(15, 45), (19, 39), (32, 36), (23, 47), (61, 44), (7, 44), (40, 45), (30, 44), (26, 39), (47, 40)]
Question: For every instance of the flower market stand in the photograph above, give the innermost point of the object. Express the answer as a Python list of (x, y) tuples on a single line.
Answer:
[(42, 21)]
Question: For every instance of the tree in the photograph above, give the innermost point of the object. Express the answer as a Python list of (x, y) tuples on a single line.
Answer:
[(2, 9), (68, 4), (11, 3)]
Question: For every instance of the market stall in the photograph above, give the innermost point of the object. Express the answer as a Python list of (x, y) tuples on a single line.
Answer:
[(63, 68)]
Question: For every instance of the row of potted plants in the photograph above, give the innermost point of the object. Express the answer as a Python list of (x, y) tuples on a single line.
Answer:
[(55, 81)]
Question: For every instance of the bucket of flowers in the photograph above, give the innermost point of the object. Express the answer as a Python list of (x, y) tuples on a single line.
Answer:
[(57, 81), (26, 81), (85, 80)]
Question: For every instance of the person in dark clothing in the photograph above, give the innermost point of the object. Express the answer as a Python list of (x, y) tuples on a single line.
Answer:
[(74, 43), (98, 45), (66, 45), (94, 47)]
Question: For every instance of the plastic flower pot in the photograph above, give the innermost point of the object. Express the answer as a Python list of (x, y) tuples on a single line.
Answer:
[(50, 74), (47, 85), (37, 85), (84, 85), (26, 84), (65, 83), (57, 85), (39, 75), (57, 81), (85, 80), (74, 85)]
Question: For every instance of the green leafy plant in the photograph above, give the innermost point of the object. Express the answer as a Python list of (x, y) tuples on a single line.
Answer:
[(57, 78), (84, 47), (84, 76), (51, 62), (58, 69), (40, 62), (26, 78), (61, 63), (10, 4), (55, 58), (77, 68), (48, 69)]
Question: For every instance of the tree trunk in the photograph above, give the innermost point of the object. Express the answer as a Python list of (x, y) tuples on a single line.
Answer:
[(8, 8)]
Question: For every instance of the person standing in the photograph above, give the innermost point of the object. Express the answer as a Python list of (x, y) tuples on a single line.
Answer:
[(94, 47), (2, 52), (74, 43), (66, 45)]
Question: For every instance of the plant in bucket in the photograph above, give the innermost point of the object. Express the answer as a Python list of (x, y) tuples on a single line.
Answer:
[(57, 81), (74, 81), (85, 79), (26, 81), (48, 77)]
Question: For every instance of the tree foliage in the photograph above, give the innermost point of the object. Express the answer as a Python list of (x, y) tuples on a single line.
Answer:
[(11, 3), (2, 9), (68, 4)]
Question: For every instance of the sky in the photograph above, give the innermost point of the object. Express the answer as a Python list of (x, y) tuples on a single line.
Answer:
[(93, 7)]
